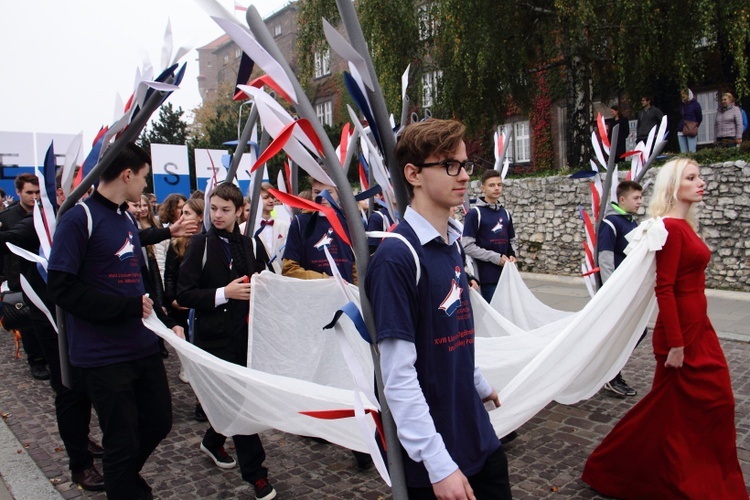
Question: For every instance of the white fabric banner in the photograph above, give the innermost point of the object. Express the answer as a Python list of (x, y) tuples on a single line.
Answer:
[(296, 366)]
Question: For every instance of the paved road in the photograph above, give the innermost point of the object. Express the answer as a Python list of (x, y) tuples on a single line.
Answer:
[(545, 461)]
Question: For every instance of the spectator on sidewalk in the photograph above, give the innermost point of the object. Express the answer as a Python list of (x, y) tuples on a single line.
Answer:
[(648, 117), (728, 123)]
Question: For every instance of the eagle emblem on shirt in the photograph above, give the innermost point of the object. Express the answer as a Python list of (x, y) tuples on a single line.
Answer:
[(498, 227), (126, 250), (451, 301), (325, 240)]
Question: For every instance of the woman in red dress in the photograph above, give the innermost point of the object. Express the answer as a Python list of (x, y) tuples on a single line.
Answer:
[(679, 441)]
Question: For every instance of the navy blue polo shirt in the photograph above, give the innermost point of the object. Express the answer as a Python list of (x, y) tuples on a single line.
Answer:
[(493, 232), (109, 261), (436, 316), (307, 237)]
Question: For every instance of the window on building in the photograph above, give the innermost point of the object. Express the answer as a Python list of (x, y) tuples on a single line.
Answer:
[(709, 104), (226, 58), (322, 62), (519, 147), (324, 110), (428, 22), (522, 142), (237, 53), (430, 82), (277, 30)]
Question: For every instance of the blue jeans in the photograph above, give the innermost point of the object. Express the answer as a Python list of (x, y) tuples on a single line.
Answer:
[(687, 144)]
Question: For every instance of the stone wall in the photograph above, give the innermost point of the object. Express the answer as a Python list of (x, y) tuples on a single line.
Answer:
[(550, 231)]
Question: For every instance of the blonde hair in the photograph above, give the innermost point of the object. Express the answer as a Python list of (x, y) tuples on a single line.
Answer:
[(666, 186)]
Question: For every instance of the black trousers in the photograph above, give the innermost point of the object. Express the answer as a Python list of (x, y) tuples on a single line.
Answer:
[(134, 406), (32, 347), (72, 406), (250, 452), (490, 483)]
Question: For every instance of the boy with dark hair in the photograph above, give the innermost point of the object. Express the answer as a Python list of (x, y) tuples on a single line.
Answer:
[(214, 280), (309, 234), (619, 220), (425, 328), (95, 276), (489, 236)]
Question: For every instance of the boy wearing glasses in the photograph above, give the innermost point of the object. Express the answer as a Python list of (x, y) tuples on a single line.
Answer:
[(420, 300), (489, 237)]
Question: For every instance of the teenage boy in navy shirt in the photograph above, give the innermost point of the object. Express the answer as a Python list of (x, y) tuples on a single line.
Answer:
[(619, 220), (426, 328), (304, 255), (214, 280), (95, 276), (489, 235)]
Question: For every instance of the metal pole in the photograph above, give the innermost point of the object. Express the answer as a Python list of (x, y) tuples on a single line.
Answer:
[(656, 152), (128, 135), (380, 112), (257, 181), (356, 231), (242, 143)]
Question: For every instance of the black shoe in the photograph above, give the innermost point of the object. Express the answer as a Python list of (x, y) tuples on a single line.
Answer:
[(200, 415), (619, 387), (39, 371), (89, 479), (629, 391), (509, 437), (263, 489), (364, 460), (95, 450), (220, 457)]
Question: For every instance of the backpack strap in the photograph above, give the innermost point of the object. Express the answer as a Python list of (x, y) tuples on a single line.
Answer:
[(383, 234), (89, 218)]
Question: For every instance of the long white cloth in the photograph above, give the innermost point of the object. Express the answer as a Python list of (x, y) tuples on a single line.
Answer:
[(295, 366)]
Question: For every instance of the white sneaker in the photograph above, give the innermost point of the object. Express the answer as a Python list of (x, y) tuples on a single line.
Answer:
[(183, 376)]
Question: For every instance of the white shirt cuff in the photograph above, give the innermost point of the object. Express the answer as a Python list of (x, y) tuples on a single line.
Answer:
[(220, 299)]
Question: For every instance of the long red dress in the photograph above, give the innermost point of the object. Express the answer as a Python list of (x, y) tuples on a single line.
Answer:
[(679, 441)]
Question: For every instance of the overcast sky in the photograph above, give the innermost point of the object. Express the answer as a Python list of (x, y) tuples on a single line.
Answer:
[(62, 62)]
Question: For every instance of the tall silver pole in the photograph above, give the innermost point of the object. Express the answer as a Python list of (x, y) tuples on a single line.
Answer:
[(356, 231)]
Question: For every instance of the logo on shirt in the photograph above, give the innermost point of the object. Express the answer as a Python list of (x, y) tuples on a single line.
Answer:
[(498, 227), (325, 241), (126, 251), (453, 299)]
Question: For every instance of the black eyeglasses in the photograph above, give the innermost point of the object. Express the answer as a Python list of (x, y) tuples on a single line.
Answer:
[(452, 167)]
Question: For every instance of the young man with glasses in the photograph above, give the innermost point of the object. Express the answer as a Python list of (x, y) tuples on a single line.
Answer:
[(489, 237), (420, 298)]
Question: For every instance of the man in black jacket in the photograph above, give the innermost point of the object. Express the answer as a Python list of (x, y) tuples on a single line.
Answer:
[(27, 189)]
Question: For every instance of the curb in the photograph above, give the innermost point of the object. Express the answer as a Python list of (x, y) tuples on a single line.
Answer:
[(23, 478)]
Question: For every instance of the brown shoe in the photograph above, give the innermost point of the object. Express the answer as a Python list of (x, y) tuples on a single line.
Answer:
[(95, 450), (89, 479)]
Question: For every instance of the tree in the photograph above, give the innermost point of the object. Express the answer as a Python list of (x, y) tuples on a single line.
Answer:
[(491, 53), (216, 119), (169, 128)]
